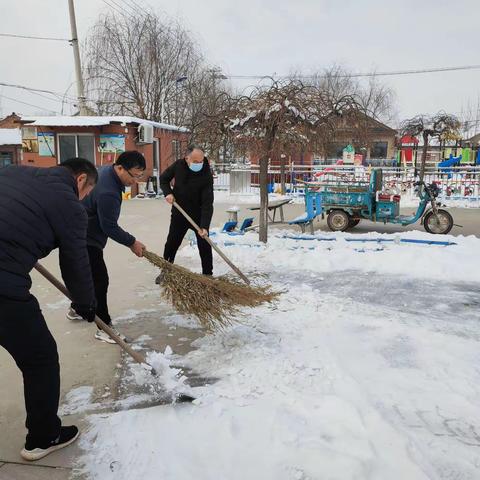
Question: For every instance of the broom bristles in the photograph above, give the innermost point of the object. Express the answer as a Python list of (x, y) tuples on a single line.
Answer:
[(216, 302)]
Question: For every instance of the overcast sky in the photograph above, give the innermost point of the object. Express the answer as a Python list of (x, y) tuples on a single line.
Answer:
[(252, 37)]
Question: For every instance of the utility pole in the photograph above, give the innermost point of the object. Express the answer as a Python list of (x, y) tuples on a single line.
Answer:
[(82, 107)]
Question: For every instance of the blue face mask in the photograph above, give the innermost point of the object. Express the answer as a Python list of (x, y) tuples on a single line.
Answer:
[(196, 167)]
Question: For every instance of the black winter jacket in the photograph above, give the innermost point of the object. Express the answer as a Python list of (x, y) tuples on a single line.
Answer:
[(40, 211), (193, 191), (103, 209)]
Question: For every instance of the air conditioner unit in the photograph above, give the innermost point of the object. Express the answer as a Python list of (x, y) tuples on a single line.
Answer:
[(145, 133)]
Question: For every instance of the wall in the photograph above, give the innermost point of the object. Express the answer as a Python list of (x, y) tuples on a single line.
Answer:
[(15, 150)]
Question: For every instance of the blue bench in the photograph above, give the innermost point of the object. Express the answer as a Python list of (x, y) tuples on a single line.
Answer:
[(229, 226), (313, 208)]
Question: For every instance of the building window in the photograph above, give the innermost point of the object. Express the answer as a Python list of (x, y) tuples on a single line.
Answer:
[(76, 145), (6, 159), (379, 150), (176, 150), (335, 150)]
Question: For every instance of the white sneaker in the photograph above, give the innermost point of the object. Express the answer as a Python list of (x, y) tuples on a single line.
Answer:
[(104, 337), (73, 315), (33, 451)]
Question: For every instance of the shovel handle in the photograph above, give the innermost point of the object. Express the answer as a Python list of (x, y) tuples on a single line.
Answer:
[(138, 357), (212, 244)]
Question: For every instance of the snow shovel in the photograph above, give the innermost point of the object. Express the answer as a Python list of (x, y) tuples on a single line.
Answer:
[(138, 357), (212, 244)]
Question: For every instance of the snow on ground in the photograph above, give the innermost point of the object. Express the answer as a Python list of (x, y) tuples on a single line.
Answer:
[(366, 368)]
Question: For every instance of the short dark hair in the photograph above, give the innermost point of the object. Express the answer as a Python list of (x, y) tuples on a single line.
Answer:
[(192, 147), (80, 165), (131, 159)]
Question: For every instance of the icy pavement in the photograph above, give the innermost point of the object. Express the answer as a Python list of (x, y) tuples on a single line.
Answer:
[(367, 368)]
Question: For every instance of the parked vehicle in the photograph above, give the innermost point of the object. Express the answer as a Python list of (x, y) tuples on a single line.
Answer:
[(346, 205)]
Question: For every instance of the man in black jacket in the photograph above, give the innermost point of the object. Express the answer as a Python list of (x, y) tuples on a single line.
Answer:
[(40, 211), (193, 191), (103, 208)]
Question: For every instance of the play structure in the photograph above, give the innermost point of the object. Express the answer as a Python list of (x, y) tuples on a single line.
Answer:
[(346, 205), (463, 158)]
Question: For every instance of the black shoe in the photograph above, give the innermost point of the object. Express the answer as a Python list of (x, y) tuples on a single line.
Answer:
[(37, 450)]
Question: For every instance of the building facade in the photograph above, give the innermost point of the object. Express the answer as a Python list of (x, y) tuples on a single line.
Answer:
[(10, 147), (47, 141)]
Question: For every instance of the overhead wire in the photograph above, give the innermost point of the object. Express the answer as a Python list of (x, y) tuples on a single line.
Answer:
[(114, 8), (29, 104), (31, 37), (354, 75)]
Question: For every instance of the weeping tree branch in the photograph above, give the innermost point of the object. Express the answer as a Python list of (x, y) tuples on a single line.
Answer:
[(441, 126), (281, 117)]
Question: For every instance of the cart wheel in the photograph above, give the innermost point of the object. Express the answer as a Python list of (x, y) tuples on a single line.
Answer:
[(338, 221), (353, 222), (441, 223)]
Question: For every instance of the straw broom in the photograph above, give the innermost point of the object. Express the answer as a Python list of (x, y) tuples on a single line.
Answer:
[(214, 301)]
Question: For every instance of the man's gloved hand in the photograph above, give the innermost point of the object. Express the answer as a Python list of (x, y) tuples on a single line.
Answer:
[(85, 311)]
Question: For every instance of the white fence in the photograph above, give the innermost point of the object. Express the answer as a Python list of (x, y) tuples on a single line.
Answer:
[(456, 183)]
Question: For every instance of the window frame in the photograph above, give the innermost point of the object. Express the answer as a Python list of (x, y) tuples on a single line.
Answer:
[(83, 134)]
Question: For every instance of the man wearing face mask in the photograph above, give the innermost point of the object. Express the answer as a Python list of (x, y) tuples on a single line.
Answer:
[(193, 190), (40, 210)]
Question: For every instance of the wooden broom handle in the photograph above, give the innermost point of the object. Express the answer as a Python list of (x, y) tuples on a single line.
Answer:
[(212, 244), (138, 357)]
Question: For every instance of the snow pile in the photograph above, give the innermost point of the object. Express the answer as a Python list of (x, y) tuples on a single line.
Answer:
[(441, 263), (168, 379), (351, 375)]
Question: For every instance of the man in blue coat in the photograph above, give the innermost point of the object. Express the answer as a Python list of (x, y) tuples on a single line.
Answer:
[(40, 210), (103, 208)]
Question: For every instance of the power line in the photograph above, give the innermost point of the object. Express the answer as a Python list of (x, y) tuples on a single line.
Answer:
[(119, 9), (134, 8), (38, 90), (29, 104), (354, 75), (34, 38), (61, 98), (137, 5)]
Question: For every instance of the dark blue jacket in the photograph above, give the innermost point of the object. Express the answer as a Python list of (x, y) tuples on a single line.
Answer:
[(193, 191), (40, 211), (103, 209)]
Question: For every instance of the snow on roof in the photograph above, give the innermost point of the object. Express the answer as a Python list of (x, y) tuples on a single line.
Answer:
[(94, 121), (10, 136)]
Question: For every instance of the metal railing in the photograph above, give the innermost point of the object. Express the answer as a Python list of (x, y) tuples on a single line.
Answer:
[(455, 183)]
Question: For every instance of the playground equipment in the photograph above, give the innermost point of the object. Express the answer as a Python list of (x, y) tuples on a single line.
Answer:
[(346, 205)]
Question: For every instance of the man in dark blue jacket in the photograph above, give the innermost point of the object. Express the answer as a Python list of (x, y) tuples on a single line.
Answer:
[(40, 211), (103, 208)]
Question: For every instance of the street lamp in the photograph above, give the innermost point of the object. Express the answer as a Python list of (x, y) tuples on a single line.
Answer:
[(177, 81), (162, 105)]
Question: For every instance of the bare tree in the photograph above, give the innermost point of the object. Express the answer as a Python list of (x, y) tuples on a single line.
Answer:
[(374, 103), (441, 126), (148, 67)]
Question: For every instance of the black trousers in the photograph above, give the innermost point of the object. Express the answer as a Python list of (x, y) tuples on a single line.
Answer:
[(178, 228), (25, 335), (100, 282)]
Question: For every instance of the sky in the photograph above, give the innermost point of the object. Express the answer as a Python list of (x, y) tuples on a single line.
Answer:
[(252, 37)]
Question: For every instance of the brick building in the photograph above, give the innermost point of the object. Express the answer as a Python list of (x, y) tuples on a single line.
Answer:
[(46, 141), (379, 138), (10, 147)]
